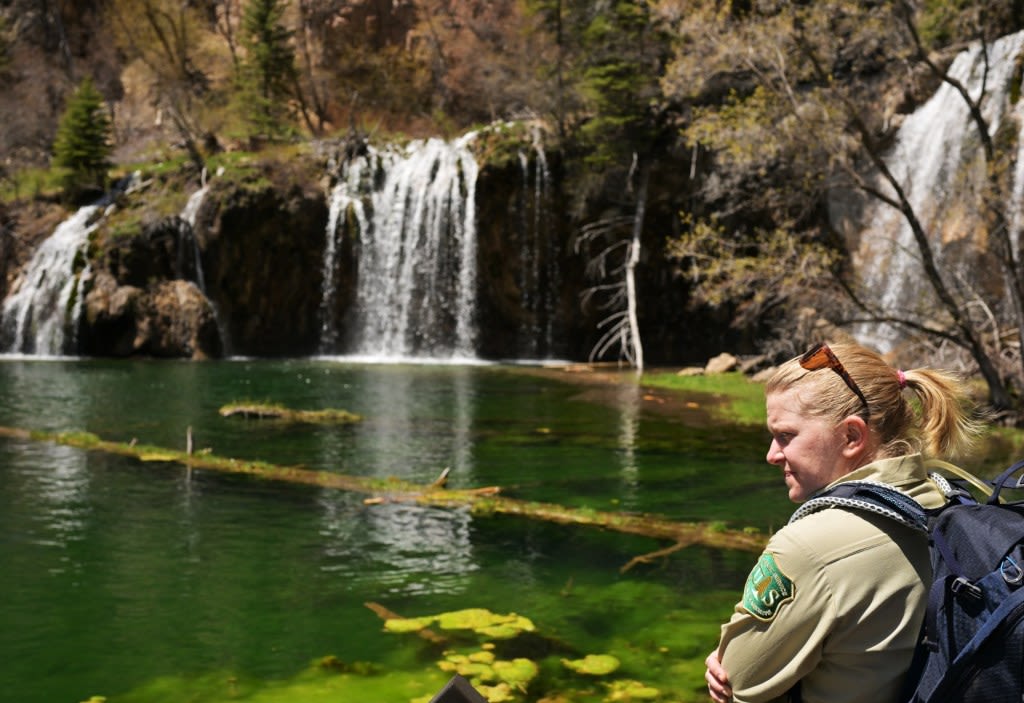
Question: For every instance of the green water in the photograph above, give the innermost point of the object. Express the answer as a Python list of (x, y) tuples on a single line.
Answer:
[(140, 582)]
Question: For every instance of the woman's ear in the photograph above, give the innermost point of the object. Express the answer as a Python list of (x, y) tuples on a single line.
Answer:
[(855, 436)]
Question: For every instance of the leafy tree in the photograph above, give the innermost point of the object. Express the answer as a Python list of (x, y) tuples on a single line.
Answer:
[(268, 75), (165, 37), (476, 58), (803, 87), (83, 144)]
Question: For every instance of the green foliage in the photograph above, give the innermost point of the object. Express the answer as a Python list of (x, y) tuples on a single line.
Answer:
[(267, 76), (754, 273), (942, 22), (30, 183), (83, 147), (622, 52)]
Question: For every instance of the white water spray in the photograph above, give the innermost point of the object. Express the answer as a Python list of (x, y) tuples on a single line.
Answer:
[(41, 315), (415, 212)]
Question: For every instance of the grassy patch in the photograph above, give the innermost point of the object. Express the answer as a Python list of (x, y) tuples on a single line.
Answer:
[(30, 183), (738, 398)]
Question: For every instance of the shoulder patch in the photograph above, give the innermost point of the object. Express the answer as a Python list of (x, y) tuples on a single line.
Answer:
[(767, 588)]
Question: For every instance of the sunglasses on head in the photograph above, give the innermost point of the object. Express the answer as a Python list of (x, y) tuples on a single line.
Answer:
[(821, 357)]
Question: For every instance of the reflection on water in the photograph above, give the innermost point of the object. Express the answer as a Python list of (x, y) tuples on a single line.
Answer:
[(118, 573), (405, 549), (416, 422), (400, 549), (629, 428), (60, 492)]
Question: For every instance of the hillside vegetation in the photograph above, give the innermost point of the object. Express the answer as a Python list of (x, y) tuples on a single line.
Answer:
[(714, 131)]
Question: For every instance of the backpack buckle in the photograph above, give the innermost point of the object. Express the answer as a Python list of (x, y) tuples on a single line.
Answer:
[(1011, 572), (961, 587)]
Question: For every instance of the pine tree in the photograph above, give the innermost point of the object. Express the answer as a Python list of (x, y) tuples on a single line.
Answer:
[(83, 143), (268, 74), (619, 80)]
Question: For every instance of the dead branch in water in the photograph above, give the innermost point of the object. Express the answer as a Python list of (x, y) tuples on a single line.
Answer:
[(482, 502)]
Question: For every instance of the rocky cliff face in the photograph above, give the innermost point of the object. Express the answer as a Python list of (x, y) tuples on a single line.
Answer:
[(243, 273), (262, 249)]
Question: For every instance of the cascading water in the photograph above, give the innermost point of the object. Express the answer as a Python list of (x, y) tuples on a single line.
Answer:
[(345, 200), (538, 266), (41, 315), (188, 216), (414, 209), (188, 240), (936, 159)]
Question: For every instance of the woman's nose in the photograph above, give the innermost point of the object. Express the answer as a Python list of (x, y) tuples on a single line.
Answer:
[(775, 455)]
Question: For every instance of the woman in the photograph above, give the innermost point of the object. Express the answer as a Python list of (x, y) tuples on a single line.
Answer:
[(833, 608)]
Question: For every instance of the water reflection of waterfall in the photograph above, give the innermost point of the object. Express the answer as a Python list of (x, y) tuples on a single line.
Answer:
[(41, 315), (416, 550), (937, 159), (411, 213), (50, 482)]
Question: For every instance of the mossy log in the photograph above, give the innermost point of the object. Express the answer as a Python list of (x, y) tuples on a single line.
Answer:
[(329, 416), (481, 501)]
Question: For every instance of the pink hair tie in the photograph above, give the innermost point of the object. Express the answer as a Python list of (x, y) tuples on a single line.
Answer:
[(901, 378)]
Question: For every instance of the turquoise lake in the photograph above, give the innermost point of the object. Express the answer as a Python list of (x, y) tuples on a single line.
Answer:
[(143, 581)]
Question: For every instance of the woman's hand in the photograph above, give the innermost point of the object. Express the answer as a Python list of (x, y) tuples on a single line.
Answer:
[(718, 680)]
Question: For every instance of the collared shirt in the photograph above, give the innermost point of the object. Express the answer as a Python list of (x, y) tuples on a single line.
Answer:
[(835, 602)]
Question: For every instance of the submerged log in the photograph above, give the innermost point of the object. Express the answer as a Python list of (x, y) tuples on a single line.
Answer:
[(279, 412), (482, 502)]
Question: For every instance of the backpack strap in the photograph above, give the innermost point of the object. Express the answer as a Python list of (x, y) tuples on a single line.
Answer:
[(983, 486), (870, 496), (1003, 481)]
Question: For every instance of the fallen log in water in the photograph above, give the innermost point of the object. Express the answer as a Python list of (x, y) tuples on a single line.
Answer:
[(481, 501), (272, 411)]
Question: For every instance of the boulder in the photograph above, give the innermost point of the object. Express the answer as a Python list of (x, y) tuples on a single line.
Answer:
[(110, 318), (180, 322), (168, 319), (723, 363)]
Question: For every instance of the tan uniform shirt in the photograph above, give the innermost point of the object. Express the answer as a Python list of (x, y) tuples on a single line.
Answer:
[(835, 602)]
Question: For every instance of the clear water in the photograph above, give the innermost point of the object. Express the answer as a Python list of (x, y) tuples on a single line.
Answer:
[(139, 582)]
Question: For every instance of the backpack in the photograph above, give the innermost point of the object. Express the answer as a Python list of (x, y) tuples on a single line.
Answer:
[(971, 648)]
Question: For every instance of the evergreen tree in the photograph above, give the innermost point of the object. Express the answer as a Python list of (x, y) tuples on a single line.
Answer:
[(83, 143), (268, 74), (624, 57)]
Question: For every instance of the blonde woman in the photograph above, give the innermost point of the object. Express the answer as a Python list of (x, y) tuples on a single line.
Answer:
[(832, 610)]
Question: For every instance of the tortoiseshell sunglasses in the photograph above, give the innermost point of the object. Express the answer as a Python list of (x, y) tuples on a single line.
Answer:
[(820, 357)]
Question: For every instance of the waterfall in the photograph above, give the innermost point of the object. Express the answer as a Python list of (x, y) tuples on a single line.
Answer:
[(188, 232), (41, 315), (188, 216), (415, 291), (346, 198), (936, 159), (538, 276)]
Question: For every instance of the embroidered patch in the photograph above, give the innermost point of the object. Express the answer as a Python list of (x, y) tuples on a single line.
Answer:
[(767, 588)]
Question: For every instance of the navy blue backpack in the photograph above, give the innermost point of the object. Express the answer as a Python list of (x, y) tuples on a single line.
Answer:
[(972, 643)]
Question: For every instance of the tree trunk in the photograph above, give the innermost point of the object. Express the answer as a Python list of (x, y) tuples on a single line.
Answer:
[(632, 260)]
